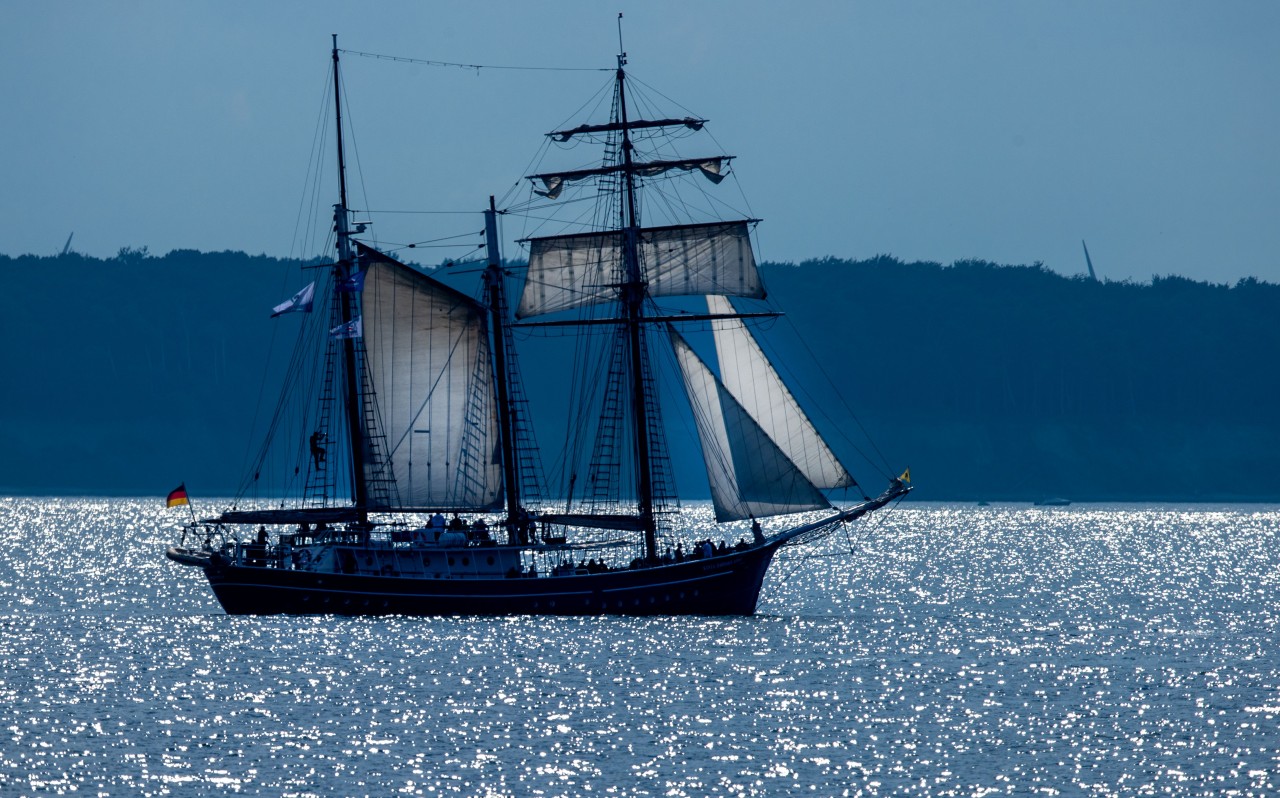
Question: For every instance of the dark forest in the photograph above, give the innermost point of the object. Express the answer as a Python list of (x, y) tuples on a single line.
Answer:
[(128, 375)]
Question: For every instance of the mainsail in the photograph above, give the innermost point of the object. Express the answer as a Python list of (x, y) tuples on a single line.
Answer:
[(749, 473), (570, 271), (430, 368), (752, 380)]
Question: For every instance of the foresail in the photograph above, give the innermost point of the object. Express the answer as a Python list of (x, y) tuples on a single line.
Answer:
[(749, 474), (684, 260), (430, 366), (752, 380)]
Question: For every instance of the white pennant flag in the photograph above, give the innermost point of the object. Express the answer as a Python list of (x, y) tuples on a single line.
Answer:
[(298, 303)]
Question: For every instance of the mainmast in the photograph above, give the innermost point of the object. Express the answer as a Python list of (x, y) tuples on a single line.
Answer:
[(494, 282), (342, 270), (633, 293)]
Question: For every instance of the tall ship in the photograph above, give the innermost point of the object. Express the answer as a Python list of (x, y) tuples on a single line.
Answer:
[(414, 482)]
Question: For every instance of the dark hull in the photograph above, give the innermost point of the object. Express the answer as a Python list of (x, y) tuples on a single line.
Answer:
[(728, 584)]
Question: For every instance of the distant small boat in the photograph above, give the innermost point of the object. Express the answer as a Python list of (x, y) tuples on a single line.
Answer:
[(1053, 502)]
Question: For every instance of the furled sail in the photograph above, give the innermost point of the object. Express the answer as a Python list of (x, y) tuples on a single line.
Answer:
[(583, 269), (752, 380), (749, 474), (634, 124), (430, 367), (554, 182)]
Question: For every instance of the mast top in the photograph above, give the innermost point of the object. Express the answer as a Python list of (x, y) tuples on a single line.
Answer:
[(622, 55)]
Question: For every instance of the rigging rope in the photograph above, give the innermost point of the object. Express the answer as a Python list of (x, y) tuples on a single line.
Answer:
[(869, 528), (476, 67)]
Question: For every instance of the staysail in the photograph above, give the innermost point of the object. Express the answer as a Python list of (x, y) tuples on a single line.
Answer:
[(752, 380), (749, 473), (570, 271), (430, 367)]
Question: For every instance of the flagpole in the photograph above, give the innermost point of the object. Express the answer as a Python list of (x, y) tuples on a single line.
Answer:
[(190, 508)]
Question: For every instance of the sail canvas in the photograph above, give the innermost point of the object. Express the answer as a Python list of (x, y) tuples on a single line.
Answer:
[(748, 473), (684, 260), (429, 362), (753, 381)]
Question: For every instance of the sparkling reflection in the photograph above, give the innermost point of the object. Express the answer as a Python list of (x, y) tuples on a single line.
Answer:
[(1101, 650)]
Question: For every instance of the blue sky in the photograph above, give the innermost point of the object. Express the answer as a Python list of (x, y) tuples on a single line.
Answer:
[(1007, 131)]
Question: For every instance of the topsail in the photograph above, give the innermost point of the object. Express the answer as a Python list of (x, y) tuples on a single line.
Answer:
[(683, 260)]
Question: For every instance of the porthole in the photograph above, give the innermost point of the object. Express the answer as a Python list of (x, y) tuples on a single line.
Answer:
[(491, 559), (466, 560), (551, 603), (451, 561)]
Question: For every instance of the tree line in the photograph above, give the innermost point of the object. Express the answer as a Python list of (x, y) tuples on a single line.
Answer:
[(991, 382)]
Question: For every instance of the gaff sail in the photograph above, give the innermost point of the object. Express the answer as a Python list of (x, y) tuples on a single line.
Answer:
[(429, 364)]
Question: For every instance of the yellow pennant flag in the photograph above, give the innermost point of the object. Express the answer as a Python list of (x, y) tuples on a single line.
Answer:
[(906, 475)]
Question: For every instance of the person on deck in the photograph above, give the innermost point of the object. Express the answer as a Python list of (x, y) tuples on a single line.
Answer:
[(436, 525)]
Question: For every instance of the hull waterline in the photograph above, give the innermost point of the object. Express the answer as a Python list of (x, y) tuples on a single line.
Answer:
[(726, 584)]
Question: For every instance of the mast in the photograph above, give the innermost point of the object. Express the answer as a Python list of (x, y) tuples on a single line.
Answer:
[(494, 282), (633, 291), (341, 271), (630, 263)]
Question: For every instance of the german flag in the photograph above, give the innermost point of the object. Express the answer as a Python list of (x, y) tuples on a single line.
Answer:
[(177, 496)]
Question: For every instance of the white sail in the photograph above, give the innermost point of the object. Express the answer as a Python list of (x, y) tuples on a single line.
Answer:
[(429, 363), (753, 381), (749, 474), (683, 260)]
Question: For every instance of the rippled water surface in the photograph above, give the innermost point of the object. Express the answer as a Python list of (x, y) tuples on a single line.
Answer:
[(1092, 650)]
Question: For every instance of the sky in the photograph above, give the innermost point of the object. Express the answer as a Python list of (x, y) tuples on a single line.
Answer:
[(1005, 131)]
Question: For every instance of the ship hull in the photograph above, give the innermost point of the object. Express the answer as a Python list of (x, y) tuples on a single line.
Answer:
[(726, 584)]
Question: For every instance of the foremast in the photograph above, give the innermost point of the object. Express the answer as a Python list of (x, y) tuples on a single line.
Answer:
[(637, 253), (633, 294)]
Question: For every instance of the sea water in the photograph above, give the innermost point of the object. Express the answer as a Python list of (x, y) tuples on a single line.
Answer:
[(937, 650)]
